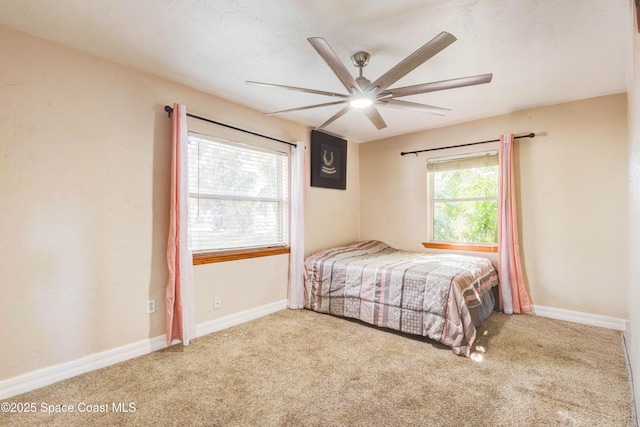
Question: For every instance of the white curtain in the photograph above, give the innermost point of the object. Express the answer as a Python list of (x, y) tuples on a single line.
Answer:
[(296, 256), (180, 291)]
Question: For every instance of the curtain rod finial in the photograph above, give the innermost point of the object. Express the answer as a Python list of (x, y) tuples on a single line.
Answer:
[(531, 135), (169, 110)]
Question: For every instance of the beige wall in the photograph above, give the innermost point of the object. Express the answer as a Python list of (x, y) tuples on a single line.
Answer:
[(84, 190), (572, 191), (633, 115), (332, 217)]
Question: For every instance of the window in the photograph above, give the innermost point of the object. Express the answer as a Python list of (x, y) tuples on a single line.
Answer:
[(464, 199), (238, 196)]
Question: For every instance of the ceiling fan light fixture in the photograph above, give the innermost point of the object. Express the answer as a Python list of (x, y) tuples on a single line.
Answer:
[(361, 102)]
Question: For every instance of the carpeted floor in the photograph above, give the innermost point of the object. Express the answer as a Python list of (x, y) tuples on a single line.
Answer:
[(299, 368)]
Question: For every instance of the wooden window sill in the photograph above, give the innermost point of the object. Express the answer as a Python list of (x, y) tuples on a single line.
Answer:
[(222, 256), (461, 247)]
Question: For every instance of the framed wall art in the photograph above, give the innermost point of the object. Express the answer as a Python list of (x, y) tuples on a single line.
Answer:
[(328, 161)]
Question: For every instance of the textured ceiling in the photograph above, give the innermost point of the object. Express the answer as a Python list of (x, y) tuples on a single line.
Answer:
[(541, 52)]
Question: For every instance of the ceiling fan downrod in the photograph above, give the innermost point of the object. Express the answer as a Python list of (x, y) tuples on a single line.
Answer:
[(361, 60)]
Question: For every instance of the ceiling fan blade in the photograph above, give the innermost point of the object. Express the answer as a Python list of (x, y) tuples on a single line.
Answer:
[(297, 89), (375, 117), (335, 117), (435, 86), (332, 60), (326, 104), (412, 61), (404, 105)]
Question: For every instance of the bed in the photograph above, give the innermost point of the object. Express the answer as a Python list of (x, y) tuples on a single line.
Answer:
[(440, 296)]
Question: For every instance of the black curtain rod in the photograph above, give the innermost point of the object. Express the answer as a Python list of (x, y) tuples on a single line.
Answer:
[(530, 135), (169, 110)]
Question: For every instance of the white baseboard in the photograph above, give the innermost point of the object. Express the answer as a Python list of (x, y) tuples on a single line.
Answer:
[(580, 317), (238, 318), (45, 376)]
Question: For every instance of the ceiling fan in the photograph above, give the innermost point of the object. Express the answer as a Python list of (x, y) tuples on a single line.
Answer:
[(366, 95)]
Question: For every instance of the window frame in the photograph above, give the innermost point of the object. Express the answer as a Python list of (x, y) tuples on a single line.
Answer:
[(232, 254), (431, 201)]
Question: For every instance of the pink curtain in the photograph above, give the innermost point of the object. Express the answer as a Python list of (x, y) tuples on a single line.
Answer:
[(180, 298), (296, 255), (513, 294)]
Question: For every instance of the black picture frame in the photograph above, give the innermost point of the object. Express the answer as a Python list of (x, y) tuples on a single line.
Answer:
[(328, 161)]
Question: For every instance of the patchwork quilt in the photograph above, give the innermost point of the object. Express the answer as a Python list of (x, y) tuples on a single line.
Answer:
[(416, 293)]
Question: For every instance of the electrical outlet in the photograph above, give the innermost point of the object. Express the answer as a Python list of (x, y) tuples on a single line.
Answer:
[(216, 303), (151, 306)]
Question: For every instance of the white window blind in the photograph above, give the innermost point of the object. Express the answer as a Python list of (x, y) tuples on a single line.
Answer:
[(475, 160), (238, 195)]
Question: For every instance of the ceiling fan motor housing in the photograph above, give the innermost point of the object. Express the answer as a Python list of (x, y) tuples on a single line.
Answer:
[(363, 82)]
